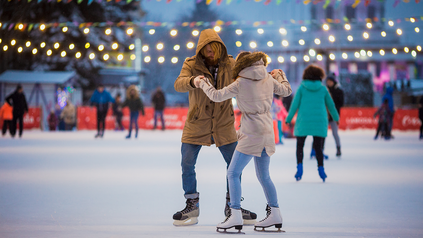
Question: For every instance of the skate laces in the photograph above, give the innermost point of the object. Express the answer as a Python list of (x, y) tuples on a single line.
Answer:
[(268, 211), (190, 206)]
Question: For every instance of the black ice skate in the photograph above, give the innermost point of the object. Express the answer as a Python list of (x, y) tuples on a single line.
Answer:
[(273, 218), (249, 218), (189, 215), (233, 220)]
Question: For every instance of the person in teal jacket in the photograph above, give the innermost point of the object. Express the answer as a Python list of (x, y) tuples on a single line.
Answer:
[(312, 101)]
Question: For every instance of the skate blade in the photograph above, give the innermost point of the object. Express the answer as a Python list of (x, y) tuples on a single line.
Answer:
[(265, 229), (249, 222), (187, 222), (229, 232)]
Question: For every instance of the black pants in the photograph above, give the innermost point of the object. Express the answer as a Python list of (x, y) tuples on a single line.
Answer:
[(14, 125), (421, 125), (6, 123), (384, 128), (317, 145), (101, 121), (119, 121)]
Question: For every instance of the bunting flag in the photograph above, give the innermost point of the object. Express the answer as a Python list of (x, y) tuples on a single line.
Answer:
[(396, 3), (367, 2), (356, 3), (326, 4)]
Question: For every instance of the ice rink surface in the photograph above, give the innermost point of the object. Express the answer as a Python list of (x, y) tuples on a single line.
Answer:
[(72, 185)]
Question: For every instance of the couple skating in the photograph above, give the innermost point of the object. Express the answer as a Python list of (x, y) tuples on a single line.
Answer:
[(212, 78)]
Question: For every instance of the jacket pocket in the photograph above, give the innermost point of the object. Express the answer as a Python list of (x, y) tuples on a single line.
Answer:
[(193, 114)]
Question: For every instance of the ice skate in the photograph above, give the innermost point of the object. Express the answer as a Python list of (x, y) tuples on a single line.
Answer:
[(249, 217), (313, 154), (338, 151), (322, 173), (299, 173), (273, 218), (233, 220), (189, 215)]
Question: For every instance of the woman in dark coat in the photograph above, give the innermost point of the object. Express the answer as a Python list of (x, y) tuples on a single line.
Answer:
[(20, 107), (133, 101)]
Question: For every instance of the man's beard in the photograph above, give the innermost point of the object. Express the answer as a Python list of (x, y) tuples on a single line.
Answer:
[(211, 61)]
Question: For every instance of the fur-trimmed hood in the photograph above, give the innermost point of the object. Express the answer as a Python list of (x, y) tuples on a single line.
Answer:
[(257, 60), (128, 92)]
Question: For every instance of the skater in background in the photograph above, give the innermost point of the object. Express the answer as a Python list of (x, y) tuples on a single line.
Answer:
[(279, 114), (6, 115), (20, 107), (389, 96), (69, 115), (133, 101), (207, 122), (117, 111), (52, 121), (101, 99), (159, 101), (421, 116), (253, 89), (312, 101), (385, 114)]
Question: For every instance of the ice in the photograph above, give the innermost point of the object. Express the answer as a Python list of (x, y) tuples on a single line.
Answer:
[(68, 184)]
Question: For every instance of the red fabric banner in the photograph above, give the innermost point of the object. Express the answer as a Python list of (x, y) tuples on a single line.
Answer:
[(32, 119)]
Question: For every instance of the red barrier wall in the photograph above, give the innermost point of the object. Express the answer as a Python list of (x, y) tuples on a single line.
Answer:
[(32, 119)]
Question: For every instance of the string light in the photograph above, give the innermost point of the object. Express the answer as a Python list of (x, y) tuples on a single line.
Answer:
[(147, 59), (176, 47), (350, 38), (260, 31), (253, 44), (132, 47), (78, 55), (238, 31), (347, 27), (369, 53), (306, 58), (238, 43), (301, 42), (65, 29), (161, 59), (285, 43), (283, 31), (5, 48), (270, 44), (195, 32), (366, 35), (100, 47), (120, 57), (174, 60), (145, 48), (20, 26), (332, 56), (28, 44), (362, 52), (391, 23), (63, 54), (293, 59), (1, 24), (49, 52), (43, 44), (357, 55), (382, 52), (92, 56), (34, 51), (395, 51), (132, 57), (414, 53), (406, 50), (56, 45), (71, 46), (281, 59), (317, 41), (319, 57), (190, 45), (217, 28), (369, 25), (13, 42), (87, 45), (106, 57), (0, 40), (332, 38), (151, 31), (20, 49), (412, 20), (399, 31), (159, 46), (344, 55), (419, 48), (383, 33), (303, 28), (173, 32), (108, 31), (417, 29), (86, 30), (269, 60), (312, 52), (129, 31), (115, 46), (325, 27)]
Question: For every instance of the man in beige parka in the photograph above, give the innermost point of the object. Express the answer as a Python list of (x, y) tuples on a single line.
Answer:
[(207, 122)]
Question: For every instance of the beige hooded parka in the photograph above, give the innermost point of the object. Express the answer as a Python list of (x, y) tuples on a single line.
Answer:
[(254, 89), (205, 117)]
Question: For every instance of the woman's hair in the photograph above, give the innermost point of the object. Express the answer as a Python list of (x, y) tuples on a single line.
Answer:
[(216, 48), (314, 73), (242, 54)]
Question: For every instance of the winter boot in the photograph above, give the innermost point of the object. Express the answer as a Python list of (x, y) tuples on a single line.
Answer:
[(136, 134), (273, 218), (338, 151), (248, 216), (299, 173), (234, 219), (189, 215), (322, 173)]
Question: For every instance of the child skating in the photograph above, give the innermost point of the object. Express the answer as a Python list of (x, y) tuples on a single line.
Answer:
[(253, 88)]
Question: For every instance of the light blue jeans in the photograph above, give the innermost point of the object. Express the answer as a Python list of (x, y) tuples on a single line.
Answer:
[(238, 163)]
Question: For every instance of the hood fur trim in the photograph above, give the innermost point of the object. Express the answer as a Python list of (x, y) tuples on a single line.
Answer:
[(128, 92), (248, 61)]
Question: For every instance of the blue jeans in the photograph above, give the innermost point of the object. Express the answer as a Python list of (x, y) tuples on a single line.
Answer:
[(133, 120), (239, 161), (189, 158), (156, 114)]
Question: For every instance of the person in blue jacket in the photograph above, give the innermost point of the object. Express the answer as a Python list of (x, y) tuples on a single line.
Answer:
[(389, 96), (101, 99), (312, 101)]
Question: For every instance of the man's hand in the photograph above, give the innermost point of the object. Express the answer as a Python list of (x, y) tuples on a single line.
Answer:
[(275, 72), (197, 80)]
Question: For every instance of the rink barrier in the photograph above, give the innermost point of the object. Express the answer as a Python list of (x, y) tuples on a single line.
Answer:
[(32, 119)]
